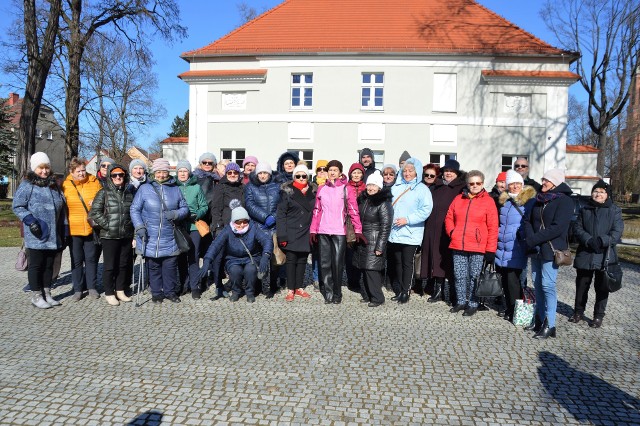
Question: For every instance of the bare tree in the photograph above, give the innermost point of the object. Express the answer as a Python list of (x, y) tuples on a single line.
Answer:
[(607, 35), (578, 130)]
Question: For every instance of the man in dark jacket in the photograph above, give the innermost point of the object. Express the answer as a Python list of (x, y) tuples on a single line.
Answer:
[(368, 163), (522, 166)]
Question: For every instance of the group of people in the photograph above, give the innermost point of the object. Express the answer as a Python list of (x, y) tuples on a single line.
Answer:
[(370, 222)]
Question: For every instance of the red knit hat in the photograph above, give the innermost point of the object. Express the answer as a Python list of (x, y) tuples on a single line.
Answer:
[(355, 166), (502, 177)]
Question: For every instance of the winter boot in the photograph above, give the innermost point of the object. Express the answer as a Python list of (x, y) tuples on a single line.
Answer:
[(122, 296), (38, 301), (50, 300), (438, 285), (111, 300)]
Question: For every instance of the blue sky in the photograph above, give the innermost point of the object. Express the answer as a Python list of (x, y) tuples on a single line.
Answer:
[(208, 20)]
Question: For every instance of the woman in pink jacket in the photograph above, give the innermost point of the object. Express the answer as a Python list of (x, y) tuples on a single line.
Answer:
[(334, 200), (472, 225)]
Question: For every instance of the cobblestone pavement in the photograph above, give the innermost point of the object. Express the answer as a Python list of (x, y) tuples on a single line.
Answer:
[(206, 362)]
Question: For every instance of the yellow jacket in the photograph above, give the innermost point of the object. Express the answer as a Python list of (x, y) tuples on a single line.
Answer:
[(88, 188)]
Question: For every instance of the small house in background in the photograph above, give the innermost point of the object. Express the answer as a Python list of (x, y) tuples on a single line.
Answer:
[(581, 173), (175, 149)]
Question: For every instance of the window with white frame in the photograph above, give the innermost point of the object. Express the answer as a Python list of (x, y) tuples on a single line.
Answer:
[(372, 91), (302, 91), (234, 155), (441, 158), (444, 92), (39, 133), (378, 158), (304, 154), (509, 160), (50, 135)]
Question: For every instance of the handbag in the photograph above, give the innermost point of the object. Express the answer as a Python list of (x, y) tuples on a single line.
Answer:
[(180, 234), (489, 282), (350, 232), (525, 308), (560, 257), (417, 264), (278, 258), (22, 261), (612, 274), (202, 227)]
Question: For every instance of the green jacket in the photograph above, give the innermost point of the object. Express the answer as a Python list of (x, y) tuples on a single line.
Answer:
[(196, 200)]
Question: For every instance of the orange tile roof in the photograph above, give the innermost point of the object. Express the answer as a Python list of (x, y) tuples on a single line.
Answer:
[(176, 139), (531, 74), (378, 26), (582, 148)]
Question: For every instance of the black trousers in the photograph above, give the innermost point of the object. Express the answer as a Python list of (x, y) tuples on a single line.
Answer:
[(117, 264), (84, 263), (296, 266), (40, 269), (332, 250), (583, 283), (403, 255), (373, 285), (511, 286)]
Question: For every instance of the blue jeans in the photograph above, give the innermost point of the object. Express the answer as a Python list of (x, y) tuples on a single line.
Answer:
[(544, 274)]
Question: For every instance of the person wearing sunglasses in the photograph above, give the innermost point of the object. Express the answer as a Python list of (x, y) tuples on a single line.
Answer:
[(243, 249), (157, 208), (295, 210), (80, 188), (521, 165), (430, 173), (111, 212), (104, 164), (319, 179), (261, 197), (472, 225)]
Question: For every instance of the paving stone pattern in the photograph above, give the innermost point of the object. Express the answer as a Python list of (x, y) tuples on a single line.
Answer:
[(216, 362)]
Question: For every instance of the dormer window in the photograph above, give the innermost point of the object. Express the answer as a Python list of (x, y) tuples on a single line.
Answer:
[(39, 133)]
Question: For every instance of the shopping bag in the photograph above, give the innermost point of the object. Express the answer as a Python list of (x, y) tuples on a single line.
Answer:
[(524, 311)]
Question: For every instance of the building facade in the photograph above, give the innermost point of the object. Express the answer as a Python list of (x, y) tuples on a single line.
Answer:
[(328, 78)]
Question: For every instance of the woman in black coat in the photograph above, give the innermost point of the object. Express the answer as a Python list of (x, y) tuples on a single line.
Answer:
[(598, 228), (376, 215), (293, 220), (229, 188)]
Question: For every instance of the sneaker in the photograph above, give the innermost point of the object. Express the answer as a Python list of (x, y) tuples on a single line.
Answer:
[(39, 302), (50, 300), (290, 295), (111, 300), (300, 292), (157, 299), (93, 293)]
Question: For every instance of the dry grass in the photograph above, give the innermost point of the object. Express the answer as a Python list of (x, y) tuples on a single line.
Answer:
[(629, 254), (9, 226), (631, 217)]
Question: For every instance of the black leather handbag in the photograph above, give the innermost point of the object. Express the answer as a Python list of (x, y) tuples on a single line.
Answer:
[(612, 276), (489, 282)]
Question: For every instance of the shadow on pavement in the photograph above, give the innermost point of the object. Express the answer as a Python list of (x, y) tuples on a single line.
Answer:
[(585, 396), (148, 418)]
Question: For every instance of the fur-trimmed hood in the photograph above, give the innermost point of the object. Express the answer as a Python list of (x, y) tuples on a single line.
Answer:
[(527, 193)]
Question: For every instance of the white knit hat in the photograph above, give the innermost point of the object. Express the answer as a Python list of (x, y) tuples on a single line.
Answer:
[(263, 166), (514, 177), (375, 178), (300, 168), (38, 159), (555, 176)]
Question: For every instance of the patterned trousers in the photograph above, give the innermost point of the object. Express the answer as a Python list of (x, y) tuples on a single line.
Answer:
[(466, 268)]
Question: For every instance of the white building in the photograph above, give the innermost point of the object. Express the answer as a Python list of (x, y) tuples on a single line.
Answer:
[(326, 78)]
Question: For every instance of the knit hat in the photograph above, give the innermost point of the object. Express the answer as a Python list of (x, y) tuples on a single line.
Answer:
[(452, 165), (513, 177), (208, 156), (237, 211), (263, 167), (501, 176), (301, 168), (39, 158), (321, 163), (555, 176), (160, 165), (404, 157), (232, 166), (375, 178), (390, 166), (602, 185), (183, 164), (105, 159), (366, 151), (334, 163), (249, 159), (355, 166), (137, 162)]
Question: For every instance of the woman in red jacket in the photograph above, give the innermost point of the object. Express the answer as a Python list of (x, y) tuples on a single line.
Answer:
[(472, 224)]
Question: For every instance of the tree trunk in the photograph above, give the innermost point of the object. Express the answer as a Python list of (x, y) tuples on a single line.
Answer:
[(603, 146), (72, 103)]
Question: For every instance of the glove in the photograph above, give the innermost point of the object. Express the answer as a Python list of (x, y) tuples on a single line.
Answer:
[(283, 244), (142, 233), (270, 221), (202, 272), (35, 229), (29, 219), (264, 264), (313, 239), (361, 239), (489, 258), (595, 244), (171, 215), (193, 217)]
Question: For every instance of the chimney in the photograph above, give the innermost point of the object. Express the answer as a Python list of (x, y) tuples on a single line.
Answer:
[(13, 98)]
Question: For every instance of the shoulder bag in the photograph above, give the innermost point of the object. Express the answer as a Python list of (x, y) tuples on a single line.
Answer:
[(489, 282), (612, 274), (96, 235), (560, 257), (183, 240), (22, 261), (350, 232)]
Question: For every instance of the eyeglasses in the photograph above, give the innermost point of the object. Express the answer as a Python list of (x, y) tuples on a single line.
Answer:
[(427, 175), (232, 172), (475, 183), (301, 176), (104, 166), (117, 175), (321, 169), (520, 166), (241, 222), (207, 163)]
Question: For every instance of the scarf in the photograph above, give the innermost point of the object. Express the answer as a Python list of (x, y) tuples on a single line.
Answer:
[(545, 197), (303, 187), (236, 231)]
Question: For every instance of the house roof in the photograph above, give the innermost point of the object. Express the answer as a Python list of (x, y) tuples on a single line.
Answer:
[(531, 74), (176, 139), (304, 27), (584, 149)]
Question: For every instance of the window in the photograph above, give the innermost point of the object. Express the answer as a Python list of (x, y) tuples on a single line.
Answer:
[(508, 160), (235, 155), (39, 133), (372, 91), (301, 91), (304, 154), (43, 115), (378, 158), (444, 92), (50, 135), (440, 159)]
